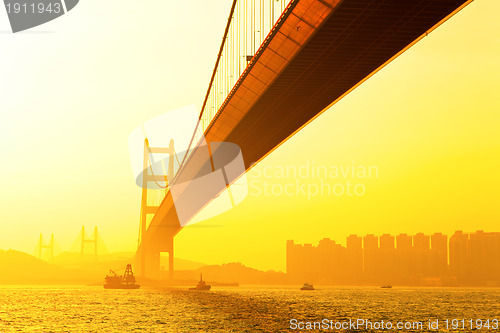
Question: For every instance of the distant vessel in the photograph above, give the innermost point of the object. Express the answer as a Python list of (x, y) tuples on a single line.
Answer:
[(201, 285), (307, 286), (115, 281), (387, 286)]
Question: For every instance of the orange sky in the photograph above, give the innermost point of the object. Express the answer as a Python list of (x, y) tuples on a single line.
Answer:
[(428, 122)]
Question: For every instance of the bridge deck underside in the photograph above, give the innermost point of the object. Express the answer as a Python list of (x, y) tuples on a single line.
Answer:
[(357, 38), (351, 40)]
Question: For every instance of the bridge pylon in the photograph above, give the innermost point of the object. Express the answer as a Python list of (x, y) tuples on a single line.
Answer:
[(49, 246), (89, 241), (148, 251)]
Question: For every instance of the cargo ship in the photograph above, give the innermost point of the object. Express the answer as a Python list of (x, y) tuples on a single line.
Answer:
[(115, 281), (201, 285)]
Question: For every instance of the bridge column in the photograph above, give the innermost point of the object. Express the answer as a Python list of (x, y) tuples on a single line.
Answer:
[(169, 248), (148, 258), (153, 263), (171, 263), (167, 245), (148, 262)]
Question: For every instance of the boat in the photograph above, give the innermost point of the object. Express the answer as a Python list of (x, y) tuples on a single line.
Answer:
[(201, 285), (307, 286), (115, 281), (387, 286)]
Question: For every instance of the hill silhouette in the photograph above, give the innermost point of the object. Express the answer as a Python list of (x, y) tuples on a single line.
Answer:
[(233, 273), (115, 261), (21, 268), (70, 268)]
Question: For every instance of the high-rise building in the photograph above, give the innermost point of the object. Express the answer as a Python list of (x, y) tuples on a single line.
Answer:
[(404, 242), (370, 256), (421, 242), (404, 257), (421, 251), (300, 261), (309, 259), (478, 257), (439, 255), (327, 261), (354, 257), (323, 263), (458, 255), (387, 259), (292, 258), (387, 242), (492, 250)]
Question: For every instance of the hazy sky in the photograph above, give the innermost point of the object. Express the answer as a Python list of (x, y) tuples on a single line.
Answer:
[(72, 90)]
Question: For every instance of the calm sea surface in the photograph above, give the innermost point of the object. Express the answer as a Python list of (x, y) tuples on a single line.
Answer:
[(238, 309)]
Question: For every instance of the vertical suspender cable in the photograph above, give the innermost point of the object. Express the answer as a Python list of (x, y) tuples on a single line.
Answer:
[(261, 21), (252, 23), (237, 36), (225, 78), (245, 33), (271, 14), (211, 81), (245, 26)]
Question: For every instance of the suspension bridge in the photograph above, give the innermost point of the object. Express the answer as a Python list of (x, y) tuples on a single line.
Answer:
[(279, 66), (88, 247)]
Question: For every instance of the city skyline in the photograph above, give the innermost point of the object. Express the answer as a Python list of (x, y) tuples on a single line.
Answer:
[(419, 259)]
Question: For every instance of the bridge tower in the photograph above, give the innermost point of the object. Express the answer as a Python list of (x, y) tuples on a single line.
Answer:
[(89, 241), (49, 246), (149, 251)]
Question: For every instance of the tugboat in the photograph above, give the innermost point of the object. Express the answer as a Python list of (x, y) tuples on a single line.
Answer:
[(201, 285), (115, 281), (307, 286)]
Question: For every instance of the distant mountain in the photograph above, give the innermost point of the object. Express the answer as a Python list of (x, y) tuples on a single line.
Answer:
[(68, 268), (21, 268), (180, 264), (116, 261), (237, 272)]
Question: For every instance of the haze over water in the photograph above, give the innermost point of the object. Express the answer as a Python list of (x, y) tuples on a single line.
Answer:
[(242, 309)]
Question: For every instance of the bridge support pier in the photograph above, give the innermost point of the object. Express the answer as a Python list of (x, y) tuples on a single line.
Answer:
[(149, 259), (171, 263)]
